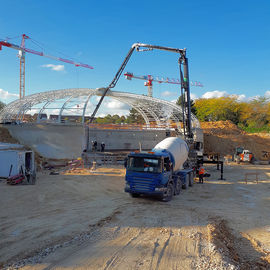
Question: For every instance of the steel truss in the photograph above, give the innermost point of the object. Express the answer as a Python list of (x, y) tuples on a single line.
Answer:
[(153, 110)]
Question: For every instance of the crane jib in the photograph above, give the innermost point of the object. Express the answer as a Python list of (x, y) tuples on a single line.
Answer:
[(22, 50), (19, 48)]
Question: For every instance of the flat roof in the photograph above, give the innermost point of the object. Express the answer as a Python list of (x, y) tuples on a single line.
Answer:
[(7, 146)]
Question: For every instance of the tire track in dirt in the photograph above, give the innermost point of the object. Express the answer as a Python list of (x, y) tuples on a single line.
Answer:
[(116, 258)]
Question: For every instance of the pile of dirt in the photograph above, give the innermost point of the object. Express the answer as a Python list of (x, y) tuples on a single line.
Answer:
[(221, 128), (5, 136), (223, 137)]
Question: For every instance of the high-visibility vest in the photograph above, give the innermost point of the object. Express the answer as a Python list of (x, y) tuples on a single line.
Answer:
[(201, 170)]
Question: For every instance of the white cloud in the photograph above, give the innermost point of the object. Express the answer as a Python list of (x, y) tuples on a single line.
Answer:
[(6, 95), (168, 94), (267, 94), (100, 114), (108, 106), (115, 104), (193, 96), (55, 67), (215, 94), (239, 97)]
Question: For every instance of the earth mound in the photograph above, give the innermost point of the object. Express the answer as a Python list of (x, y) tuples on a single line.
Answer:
[(223, 137), (5, 136)]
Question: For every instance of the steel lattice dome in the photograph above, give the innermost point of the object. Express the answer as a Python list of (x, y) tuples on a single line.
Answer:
[(153, 110)]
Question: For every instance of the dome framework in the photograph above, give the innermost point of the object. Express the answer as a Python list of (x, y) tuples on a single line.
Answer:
[(153, 110)]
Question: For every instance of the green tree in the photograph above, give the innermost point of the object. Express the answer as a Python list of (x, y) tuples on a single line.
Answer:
[(108, 119), (134, 117), (115, 118), (216, 109), (256, 114)]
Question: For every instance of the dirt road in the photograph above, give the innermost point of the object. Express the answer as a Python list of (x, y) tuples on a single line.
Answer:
[(88, 222)]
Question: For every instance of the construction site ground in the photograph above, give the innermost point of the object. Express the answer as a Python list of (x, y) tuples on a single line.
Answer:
[(84, 220)]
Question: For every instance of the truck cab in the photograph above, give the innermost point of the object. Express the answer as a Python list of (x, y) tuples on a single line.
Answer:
[(151, 173)]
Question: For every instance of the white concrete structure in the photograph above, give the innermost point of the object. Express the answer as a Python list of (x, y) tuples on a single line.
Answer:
[(68, 141)]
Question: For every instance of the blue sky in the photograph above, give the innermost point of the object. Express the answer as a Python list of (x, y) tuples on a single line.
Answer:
[(228, 44)]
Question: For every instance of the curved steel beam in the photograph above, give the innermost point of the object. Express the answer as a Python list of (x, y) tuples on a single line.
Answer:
[(151, 109)]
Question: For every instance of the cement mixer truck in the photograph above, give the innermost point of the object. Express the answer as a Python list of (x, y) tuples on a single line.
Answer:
[(161, 172), (164, 170)]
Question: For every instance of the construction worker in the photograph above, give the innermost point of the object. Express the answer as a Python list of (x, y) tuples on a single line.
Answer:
[(201, 173), (95, 145), (102, 146)]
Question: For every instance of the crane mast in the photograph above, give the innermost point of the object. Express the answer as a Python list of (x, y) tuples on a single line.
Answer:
[(21, 55)]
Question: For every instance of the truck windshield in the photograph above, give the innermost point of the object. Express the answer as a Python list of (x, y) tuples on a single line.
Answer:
[(143, 164)]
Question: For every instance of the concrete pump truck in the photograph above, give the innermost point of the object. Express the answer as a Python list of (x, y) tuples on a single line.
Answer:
[(172, 163)]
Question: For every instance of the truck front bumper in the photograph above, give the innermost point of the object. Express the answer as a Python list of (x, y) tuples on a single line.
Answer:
[(157, 191)]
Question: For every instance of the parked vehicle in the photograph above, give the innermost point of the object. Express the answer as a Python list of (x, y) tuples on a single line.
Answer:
[(243, 155), (161, 172)]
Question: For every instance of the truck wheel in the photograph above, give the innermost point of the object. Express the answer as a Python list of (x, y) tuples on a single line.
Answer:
[(134, 195), (185, 185), (190, 179), (167, 195), (177, 186)]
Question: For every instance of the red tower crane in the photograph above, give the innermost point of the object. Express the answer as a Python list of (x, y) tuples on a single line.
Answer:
[(22, 50), (149, 79)]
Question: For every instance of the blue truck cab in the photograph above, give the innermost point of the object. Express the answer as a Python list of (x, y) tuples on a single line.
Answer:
[(151, 173)]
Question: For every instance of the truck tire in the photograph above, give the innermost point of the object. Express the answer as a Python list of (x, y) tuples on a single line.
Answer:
[(167, 196), (185, 186), (190, 179), (134, 195), (177, 186)]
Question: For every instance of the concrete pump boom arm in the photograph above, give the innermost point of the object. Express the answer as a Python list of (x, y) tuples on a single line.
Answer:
[(151, 47), (184, 81)]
